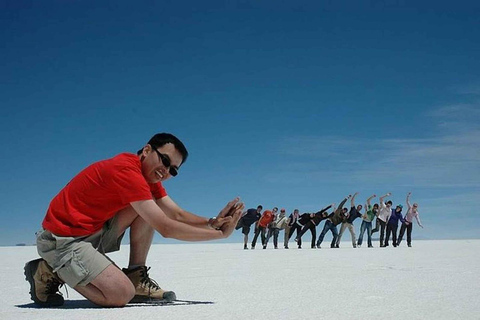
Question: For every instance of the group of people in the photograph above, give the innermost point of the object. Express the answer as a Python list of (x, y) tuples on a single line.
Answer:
[(88, 218), (387, 220)]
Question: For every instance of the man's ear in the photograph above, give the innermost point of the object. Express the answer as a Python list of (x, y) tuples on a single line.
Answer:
[(147, 149)]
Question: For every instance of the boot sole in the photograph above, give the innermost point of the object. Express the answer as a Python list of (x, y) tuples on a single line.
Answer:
[(29, 271), (168, 296)]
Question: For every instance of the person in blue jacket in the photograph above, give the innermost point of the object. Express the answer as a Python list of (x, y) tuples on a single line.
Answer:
[(392, 225)]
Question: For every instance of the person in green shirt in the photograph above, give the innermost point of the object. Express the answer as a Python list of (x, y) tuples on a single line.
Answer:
[(370, 213)]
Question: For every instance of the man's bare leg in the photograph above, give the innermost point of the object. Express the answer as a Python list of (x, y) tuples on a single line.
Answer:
[(111, 288), (141, 235)]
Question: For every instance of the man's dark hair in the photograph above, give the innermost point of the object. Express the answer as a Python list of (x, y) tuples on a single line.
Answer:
[(161, 139), (389, 202), (260, 206)]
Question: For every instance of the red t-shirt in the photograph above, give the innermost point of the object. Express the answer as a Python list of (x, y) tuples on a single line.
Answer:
[(266, 218), (97, 193)]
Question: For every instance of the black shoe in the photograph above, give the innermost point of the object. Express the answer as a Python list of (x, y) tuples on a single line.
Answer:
[(286, 247), (409, 245), (299, 247), (264, 247)]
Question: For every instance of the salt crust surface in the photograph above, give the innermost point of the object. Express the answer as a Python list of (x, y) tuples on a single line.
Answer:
[(431, 280)]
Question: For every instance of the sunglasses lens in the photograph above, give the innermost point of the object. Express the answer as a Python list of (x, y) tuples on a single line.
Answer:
[(166, 162)]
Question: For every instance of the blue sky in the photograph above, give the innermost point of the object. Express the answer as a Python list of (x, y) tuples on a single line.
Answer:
[(292, 104)]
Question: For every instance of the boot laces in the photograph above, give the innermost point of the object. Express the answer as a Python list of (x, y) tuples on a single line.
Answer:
[(53, 285), (147, 281)]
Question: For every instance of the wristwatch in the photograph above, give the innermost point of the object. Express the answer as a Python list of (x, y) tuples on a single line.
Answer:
[(210, 223)]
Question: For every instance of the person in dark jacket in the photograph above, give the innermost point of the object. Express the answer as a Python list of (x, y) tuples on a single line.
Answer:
[(249, 217), (294, 226), (392, 225), (332, 222), (311, 221), (348, 223)]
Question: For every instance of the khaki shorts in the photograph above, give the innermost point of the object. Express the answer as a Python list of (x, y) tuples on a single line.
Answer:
[(79, 260)]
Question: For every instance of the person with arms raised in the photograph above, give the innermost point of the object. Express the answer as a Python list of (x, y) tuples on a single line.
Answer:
[(383, 215), (408, 221), (367, 218)]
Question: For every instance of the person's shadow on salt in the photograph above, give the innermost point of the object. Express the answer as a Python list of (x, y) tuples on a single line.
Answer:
[(69, 304), (85, 304)]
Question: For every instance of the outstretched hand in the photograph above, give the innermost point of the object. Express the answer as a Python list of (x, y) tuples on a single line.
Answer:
[(228, 217)]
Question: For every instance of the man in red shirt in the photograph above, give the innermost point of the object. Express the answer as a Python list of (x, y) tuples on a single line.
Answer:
[(91, 213), (261, 226)]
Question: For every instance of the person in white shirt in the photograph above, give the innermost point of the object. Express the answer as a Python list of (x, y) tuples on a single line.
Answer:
[(382, 218), (279, 223), (408, 221)]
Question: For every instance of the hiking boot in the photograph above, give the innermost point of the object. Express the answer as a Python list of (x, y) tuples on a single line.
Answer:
[(44, 284), (147, 289)]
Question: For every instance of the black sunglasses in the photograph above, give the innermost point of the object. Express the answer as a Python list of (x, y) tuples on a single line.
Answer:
[(166, 162)]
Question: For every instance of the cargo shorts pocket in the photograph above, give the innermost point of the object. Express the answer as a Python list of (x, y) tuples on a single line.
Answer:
[(71, 269)]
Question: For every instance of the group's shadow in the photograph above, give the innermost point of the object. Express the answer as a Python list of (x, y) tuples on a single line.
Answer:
[(85, 304)]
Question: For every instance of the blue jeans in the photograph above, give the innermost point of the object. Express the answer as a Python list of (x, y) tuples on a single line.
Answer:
[(328, 226), (273, 232), (365, 226)]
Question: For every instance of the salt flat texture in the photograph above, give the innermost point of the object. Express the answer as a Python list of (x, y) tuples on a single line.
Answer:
[(432, 280)]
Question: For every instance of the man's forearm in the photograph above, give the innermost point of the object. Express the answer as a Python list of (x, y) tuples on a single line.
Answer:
[(171, 228)]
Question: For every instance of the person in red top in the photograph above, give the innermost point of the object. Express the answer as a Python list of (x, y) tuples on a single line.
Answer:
[(261, 226), (89, 216)]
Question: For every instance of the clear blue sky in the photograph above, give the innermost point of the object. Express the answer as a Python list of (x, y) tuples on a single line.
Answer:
[(292, 104)]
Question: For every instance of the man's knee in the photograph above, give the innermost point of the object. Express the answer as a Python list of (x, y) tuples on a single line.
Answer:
[(115, 287), (120, 296)]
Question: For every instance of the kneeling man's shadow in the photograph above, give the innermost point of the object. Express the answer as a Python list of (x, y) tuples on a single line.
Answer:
[(85, 304)]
